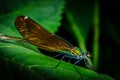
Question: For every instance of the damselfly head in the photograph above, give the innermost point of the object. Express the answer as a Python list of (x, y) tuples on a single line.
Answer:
[(83, 55), (87, 60), (78, 52)]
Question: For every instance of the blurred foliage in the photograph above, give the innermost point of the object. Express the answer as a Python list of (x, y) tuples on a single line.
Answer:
[(91, 25)]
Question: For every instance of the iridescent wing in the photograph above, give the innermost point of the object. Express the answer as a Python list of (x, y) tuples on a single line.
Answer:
[(37, 35)]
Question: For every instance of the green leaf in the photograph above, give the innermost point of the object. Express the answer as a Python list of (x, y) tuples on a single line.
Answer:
[(80, 16), (30, 62), (46, 13), (96, 34)]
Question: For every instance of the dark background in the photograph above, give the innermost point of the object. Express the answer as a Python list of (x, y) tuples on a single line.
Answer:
[(109, 42), (110, 38)]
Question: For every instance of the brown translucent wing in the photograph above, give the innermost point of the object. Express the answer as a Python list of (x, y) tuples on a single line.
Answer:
[(37, 35)]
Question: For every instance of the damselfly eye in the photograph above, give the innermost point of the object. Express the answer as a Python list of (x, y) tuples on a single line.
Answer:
[(88, 54)]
